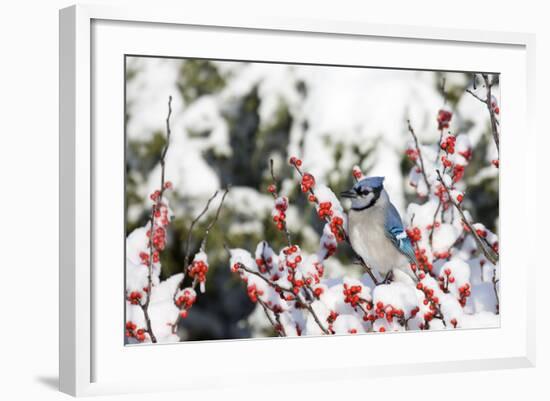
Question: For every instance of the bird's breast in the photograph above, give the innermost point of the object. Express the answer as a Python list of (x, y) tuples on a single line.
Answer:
[(368, 239)]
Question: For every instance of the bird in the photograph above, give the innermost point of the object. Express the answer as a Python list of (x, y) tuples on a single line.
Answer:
[(376, 231)]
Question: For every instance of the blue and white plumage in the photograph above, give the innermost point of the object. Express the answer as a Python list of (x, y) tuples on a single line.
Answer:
[(375, 229)]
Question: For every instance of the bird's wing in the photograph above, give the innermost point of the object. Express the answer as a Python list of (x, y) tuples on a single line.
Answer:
[(397, 235)]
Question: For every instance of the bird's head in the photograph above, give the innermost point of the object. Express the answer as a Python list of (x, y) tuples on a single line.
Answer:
[(365, 193)]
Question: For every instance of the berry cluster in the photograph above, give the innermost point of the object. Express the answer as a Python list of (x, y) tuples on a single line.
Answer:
[(458, 172), (144, 256), (131, 331), (279, 213), (159, 238), (308, 182), (329, 243), (135, 297), (445, 279), (423, 262), (331, 318), (351, 294), (443, 119), (414, 234), (337, 227), (430, 300), (448, 144), (464, 292), (185, 300), (381, 311), (198, 270), (446, 162), (388, 311), (264, 264), (325, 210), (442, 255), (441, 193), (254, 293), (292, 261)]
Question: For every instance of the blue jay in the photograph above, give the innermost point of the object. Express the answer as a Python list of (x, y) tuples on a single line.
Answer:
[(375, 229)]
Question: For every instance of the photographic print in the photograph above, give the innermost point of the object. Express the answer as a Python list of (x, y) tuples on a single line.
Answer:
[(286, 200)]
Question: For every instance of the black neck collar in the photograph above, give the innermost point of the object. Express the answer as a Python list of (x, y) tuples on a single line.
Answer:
[(368, 205)]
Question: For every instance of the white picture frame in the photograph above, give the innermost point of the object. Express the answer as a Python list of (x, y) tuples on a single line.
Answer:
[(92, 39)]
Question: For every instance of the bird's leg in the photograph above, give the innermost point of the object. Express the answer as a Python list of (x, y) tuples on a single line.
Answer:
[(389, 277)]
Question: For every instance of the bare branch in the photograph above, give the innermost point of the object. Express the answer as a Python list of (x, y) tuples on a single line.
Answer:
[(158, 201), (487, 101), (190, 232), (494, 124), (204, 240), (423, 170), (301, 299), (495, 289), (214, 220), (266, 311), (433, 222), (487, 251), (476, 96)]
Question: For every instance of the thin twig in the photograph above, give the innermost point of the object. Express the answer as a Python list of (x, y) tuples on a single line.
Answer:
[(488, 252), (476, 96), (289, 291), (213, 221), (494, 128), (269, 282), (488, 103), (495, 281), (206, 232), (423, 170), (433, 222), (145, 306), (190, 232), (266, 311), (203, 248)]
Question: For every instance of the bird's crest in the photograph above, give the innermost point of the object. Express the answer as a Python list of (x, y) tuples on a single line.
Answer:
[(370, 184)]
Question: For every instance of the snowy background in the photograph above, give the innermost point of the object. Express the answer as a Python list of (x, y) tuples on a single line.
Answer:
[(229, 119)]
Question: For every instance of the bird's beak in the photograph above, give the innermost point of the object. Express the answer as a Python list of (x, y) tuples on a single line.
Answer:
[(351, 194)]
